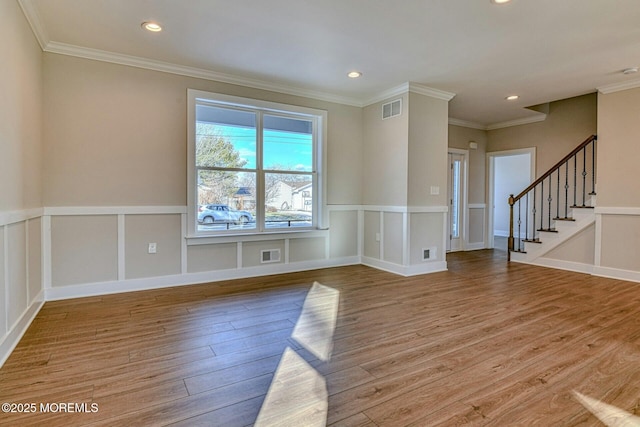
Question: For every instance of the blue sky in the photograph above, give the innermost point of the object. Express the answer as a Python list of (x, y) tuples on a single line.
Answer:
[(289, 149)]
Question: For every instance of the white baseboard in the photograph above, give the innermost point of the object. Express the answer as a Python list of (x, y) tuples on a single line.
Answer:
[(14, 335), (475, 246), (147, 283), (617, 273), (577, 267), (405, 270)]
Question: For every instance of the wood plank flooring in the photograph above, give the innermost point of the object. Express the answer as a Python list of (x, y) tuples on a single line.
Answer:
[(485, 343)]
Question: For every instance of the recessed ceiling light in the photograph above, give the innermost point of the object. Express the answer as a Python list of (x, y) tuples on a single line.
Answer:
[(512, 97), (152, 26), (500, 1), (354, 74), (631, 70)]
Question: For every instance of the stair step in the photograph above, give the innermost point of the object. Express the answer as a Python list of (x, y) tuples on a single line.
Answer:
[(568, 218), (581, 207), (532, 240), (548, 230), (519, 252)]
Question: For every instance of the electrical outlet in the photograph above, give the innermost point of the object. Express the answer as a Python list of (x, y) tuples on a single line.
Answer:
[(377, 237), (153, 248), (435, 190)]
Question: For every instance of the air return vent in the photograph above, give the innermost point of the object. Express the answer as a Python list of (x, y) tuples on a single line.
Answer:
[(392, 109), (270, 255), (428, 253)]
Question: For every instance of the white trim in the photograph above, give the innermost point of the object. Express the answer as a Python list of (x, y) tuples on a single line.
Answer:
[(606, 210), (11, 217), (183, 243), (120, 286), (559, 264), (121, 247), (33, 18), (5, 279), (618, 87), (46, 251), (616, 273), (477, 205), (405, 209), (258, 237), (475, 246), (14, 334), (406, 238), (466, 124), (405, 270), (598, 241), (541, 117), (114, 210), (431, 92), (381, 231)]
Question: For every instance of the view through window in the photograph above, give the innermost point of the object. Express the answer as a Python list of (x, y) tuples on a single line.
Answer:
[(255, 168)]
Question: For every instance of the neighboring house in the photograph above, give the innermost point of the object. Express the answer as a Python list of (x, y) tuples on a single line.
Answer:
[(288, 195)]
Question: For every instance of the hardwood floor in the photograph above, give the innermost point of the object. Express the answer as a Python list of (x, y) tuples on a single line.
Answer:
[(486, 343)]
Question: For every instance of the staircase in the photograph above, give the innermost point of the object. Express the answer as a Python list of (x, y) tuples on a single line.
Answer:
[(555, 207)]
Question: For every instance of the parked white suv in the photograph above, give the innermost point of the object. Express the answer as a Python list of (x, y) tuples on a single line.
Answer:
[(222, 214)]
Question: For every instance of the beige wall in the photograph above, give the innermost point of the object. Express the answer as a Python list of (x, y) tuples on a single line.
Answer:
[(21, 97), (568, 123), (20, 112), (384, 152), (618, 131), (579, 249), (116, 135), (427, 155)]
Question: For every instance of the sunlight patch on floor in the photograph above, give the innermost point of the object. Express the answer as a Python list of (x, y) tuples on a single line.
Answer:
[(317, 322), (298, 393), (608, 414)]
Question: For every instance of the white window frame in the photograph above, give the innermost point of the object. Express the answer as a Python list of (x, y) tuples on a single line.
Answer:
[(319, 118)]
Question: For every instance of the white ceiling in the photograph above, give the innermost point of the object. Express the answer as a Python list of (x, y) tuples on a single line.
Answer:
[(542, 50)]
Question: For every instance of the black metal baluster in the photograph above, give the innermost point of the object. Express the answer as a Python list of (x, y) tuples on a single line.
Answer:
[(526, 218), (519, 222), (558, 197), (593, 168), (533, 222), (584, 176), (575, 180), (549, 199), (566, 189), (541, 205)]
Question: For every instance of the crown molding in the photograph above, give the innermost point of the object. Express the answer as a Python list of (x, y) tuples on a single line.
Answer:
[(33, 18), (525, 121), (410, 87), (431, 92), (617, 87), (466, 124), (166, 67)]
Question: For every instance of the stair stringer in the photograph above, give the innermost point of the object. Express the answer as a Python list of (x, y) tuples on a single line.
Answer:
[(549, 241)]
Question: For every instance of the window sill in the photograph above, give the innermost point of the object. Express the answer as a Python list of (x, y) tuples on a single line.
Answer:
[(255, 237)]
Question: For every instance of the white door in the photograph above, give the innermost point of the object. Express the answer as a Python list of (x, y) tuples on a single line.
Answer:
[(455, 191)]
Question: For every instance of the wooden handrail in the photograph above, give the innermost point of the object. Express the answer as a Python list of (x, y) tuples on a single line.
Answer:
[(513, 200)]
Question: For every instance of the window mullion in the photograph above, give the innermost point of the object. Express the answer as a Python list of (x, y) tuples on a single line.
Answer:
[(260, 185)]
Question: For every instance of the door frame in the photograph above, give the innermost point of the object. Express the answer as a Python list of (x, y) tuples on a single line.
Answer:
[(491, 157), (464, 237)]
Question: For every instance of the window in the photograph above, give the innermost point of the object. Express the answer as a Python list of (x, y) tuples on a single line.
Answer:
[(254, 166)]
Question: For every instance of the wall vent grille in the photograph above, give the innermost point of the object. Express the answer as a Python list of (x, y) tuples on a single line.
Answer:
[(269, 255), (392, 109)]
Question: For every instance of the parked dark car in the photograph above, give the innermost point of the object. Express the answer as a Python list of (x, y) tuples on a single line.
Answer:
[(222, 214)]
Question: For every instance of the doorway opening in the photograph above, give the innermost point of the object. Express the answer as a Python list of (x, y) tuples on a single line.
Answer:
[(510, 172)]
